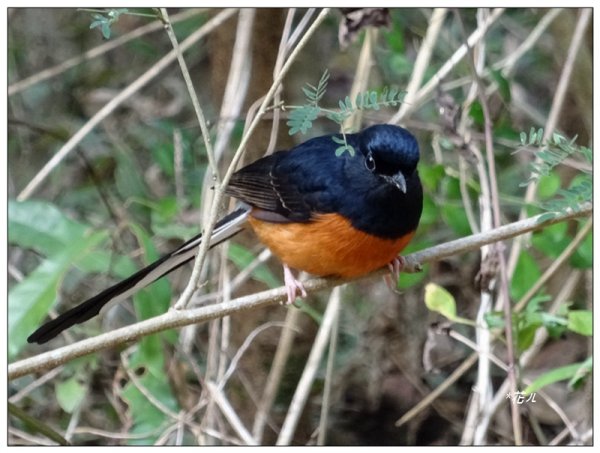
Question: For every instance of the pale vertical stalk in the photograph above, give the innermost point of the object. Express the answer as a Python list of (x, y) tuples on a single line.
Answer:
[(361, 78), (422, 62), (329, 380), (310, 370), (482, 389), (284, 347), (237, 81), (281, 52)]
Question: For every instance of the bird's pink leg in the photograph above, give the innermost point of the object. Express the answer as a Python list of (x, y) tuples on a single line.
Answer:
[(395, 266), (292, 285)]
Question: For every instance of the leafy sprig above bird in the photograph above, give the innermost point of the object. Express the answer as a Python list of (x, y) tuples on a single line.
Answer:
[(551, 153), (301, 117)]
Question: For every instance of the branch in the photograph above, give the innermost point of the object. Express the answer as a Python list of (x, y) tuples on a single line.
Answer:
[(179, 318)]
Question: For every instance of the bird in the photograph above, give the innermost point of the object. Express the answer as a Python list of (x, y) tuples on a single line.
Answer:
[(320, 207)]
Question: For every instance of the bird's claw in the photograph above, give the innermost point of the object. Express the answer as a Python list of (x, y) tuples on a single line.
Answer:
[(292, 285), (395, 266)]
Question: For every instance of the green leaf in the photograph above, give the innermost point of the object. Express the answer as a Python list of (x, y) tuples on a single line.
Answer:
[(546, 216), (147, 363), (581, 374), (96, 23), (552, 376), (106, 30), (41, 226), (431, 176), (441, 301), (30, 300), (581, 322), (300, 119), (242, 257), (527, 272), (345, 148), (526, 331), (70, 394), (494, 319), (523, 137), (548, 185), (583, 258), (555, 325), (503, 85), (476, 112)]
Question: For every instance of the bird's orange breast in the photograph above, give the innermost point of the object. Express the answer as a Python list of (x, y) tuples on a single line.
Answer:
[(328, 246)]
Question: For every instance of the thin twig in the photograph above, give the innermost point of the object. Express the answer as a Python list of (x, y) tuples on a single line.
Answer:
[(230, 414), (421, 96), (509, 63), (245, 345), (422, 61)]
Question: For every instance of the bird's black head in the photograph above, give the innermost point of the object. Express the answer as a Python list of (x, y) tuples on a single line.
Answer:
[(391, 152)]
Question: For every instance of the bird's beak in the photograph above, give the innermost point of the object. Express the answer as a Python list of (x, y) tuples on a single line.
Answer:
[(399, 181)]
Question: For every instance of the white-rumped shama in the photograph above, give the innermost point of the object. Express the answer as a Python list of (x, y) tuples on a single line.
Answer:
[(327, 214)]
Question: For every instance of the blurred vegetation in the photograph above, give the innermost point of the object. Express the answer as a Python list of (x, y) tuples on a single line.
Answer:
[(133, 189)]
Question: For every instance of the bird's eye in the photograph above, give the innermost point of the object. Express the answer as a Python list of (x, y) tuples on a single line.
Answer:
[(370, 162)]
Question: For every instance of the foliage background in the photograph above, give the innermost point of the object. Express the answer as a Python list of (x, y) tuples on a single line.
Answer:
[(133, 189)]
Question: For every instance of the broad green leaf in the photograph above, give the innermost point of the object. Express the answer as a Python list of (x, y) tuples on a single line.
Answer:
[(431, 176), (41, 226), (70, 393), (439, 300), (583, 258), (526, 274), (548, 185), (552, 376), (582, 373), (30, 300), (581, 322), (552, 240)]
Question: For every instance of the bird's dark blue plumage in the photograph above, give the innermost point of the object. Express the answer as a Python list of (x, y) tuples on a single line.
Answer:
[(311, 179)]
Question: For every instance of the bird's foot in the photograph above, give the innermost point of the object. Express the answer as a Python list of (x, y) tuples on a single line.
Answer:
[(292, 285), (395, 266)]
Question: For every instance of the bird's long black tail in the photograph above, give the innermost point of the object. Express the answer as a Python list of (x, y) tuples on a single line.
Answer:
[(225, 228)]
